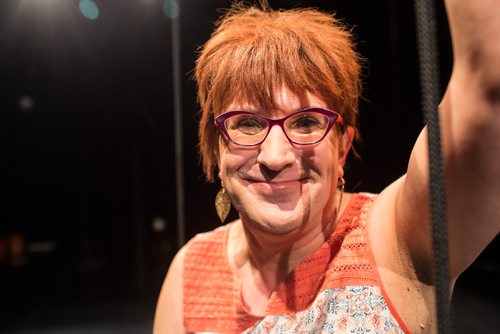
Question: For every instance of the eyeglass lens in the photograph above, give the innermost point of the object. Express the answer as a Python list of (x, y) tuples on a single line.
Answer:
[(302, 128)]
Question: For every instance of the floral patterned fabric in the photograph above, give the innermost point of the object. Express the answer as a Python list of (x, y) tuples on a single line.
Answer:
[(352, 309)]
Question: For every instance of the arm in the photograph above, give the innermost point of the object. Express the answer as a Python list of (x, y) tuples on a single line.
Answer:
[(470, 127), (169, 314)]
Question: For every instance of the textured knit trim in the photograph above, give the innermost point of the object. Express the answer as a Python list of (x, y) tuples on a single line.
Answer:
[(212, 295), (390, 305)]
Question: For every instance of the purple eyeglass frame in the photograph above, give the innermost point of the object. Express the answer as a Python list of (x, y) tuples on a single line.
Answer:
[(333, 117)]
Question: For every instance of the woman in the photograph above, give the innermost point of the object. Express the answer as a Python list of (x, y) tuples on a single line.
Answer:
[(278, 92)]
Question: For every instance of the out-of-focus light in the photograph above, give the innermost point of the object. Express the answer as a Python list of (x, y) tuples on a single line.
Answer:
[(89, 9), (42, 246), (158, 224), (171, 9), (26, 103)]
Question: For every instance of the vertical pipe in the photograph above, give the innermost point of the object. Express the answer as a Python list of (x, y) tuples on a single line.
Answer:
[(178, 134), (140, 276)]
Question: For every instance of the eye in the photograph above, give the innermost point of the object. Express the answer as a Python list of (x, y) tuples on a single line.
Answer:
[(246, 124), (307, 122)]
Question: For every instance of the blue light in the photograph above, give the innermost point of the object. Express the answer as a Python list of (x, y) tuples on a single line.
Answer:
[(89, 9), (171, 9)]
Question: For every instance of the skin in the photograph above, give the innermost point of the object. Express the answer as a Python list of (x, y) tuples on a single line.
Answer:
[(265, 245), (278, 187), (285, 195)]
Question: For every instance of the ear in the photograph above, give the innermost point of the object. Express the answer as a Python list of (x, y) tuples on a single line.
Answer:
[(344, 146)]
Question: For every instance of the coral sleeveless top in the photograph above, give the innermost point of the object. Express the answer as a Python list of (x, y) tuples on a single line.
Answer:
[(336, 289)]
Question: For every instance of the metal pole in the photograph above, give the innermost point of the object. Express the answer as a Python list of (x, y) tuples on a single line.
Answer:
[(178, 134)]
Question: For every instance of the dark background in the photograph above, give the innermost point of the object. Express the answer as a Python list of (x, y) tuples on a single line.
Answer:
[(88, 219)]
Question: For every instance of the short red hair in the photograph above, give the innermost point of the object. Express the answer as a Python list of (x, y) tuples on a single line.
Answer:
[(253, 52)]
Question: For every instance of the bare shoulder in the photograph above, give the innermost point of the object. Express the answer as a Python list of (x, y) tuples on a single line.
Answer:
[(169, 313)]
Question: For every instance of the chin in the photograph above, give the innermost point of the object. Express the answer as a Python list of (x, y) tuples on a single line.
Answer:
[(278, 225)]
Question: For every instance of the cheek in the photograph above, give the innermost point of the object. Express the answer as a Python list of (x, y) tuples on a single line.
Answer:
[(231, 160), (322, 159)]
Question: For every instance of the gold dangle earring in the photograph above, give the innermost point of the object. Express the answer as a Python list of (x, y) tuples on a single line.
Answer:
[(222, 203), (340, 187)]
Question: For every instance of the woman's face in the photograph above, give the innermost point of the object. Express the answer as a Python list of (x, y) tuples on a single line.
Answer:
[(278, 187)]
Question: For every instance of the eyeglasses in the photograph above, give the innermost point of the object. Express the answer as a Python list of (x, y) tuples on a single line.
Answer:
[(304, 127)]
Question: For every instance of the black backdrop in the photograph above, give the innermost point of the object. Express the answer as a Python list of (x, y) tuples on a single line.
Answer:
[(86, 114)]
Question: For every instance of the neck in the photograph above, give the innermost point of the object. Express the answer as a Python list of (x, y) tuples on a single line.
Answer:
[(271, 257)]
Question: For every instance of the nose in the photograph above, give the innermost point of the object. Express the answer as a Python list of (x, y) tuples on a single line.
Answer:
[(275, 152)]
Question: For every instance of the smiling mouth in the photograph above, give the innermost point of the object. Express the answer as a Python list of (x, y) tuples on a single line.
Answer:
[(277, 186), (252, 180)]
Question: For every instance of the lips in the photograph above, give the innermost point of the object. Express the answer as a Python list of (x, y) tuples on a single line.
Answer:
[(277, 190), (280, 185), (280, 181)]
